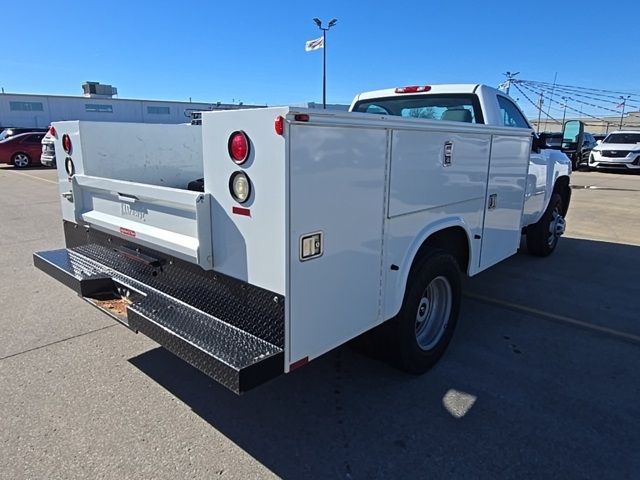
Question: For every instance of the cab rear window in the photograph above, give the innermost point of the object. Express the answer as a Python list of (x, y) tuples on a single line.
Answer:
[(452, 107)]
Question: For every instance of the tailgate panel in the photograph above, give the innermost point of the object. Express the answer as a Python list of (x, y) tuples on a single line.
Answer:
[(174, 221)]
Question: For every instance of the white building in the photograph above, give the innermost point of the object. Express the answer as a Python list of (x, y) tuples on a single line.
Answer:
[(97, 103)]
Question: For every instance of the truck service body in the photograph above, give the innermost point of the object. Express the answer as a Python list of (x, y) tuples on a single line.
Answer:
[(313, 227)]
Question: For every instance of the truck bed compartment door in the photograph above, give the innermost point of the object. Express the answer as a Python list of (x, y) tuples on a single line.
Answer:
[(337, 186), (505, 198)]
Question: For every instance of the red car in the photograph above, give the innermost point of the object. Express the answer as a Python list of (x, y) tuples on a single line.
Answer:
[(22, 150)]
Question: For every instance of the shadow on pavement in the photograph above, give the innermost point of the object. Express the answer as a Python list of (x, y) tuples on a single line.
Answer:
[(588, 280), (514, 397)]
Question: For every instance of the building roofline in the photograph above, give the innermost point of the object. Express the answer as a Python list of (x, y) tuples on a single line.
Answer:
[(80, 97)]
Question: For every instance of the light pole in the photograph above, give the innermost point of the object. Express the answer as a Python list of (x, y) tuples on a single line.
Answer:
[(324, 56), (624, 104)]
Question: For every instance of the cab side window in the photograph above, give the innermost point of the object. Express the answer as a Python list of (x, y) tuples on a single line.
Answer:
[(510, 115)]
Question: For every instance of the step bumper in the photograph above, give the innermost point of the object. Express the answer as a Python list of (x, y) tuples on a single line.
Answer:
[(235, 358)]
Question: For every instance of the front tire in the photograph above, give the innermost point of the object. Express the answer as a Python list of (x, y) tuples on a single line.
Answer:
[(20, 160), (543, 236), (427, 319)]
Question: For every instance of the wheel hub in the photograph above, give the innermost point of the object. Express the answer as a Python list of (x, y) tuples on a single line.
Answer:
[(432, 316), (424, 305), (557, 227), (21, 161)]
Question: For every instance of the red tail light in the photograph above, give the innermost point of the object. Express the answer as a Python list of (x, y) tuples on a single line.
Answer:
[(52, 132), (413, 89), (66, 143), (239, 147), (279, 125)]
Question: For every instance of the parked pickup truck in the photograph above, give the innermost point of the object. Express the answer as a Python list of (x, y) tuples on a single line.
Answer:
[(313, 226)]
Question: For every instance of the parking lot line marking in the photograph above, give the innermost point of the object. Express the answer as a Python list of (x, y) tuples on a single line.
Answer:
[(629, 337), (62, 340), (30, 176)]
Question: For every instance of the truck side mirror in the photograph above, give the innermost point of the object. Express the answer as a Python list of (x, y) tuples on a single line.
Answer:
[(573, 135), (539, 142), (598, 142)]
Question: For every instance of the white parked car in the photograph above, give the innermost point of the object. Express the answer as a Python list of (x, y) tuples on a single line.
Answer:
[(619, 150), (48, 156)]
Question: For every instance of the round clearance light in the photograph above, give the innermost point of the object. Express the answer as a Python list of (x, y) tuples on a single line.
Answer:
[(69, 166), (240, 187), (239, 147), (66, 143)]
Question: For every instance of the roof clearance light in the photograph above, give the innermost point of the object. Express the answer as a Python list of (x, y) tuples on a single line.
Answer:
[(66, 143), (239, 147), (413, 89)]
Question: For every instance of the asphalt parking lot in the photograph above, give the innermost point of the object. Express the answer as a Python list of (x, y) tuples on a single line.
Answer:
[(541, 380)]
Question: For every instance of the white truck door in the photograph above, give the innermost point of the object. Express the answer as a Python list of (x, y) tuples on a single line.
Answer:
[(508, 168), (336, 191)]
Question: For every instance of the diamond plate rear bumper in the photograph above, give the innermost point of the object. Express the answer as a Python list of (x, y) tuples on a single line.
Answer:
[(198, 325)]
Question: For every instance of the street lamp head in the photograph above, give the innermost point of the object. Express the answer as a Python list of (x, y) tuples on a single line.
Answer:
[(318, 22), (333, 22)]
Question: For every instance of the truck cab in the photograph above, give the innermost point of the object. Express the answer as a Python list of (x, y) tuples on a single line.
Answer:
[(549, 169)]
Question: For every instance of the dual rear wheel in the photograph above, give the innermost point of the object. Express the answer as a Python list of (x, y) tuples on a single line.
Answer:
[(427, 319)]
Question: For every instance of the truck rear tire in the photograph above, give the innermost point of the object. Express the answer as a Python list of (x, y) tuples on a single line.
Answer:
[(543, 236), (427, 319)]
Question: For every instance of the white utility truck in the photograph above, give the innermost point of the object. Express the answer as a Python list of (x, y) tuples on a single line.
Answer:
[(311, 226)]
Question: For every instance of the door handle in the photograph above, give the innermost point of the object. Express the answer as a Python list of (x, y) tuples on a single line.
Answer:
[(123, 197), (493, 201)]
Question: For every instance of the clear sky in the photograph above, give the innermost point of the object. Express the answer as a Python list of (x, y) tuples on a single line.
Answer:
[(254, 51)]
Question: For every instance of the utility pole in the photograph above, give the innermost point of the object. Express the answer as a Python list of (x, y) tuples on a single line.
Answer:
[(624, 104), (540, 102), (331, 23), (555, 78), (510, 77), (564, 113)]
